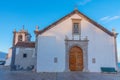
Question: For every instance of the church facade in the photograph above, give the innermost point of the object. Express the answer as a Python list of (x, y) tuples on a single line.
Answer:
[(74, 43)]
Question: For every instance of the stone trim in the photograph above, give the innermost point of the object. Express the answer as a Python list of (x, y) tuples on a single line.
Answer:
[(116, 53), (77, 20), (79, 27), (83, 44), (12, 65)]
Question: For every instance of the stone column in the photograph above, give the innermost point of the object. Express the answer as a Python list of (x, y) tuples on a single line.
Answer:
[(115, 44), (116, 54), (66, 57), (12, 66)]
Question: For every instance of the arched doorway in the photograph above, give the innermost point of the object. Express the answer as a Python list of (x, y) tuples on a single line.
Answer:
[(76, 59)]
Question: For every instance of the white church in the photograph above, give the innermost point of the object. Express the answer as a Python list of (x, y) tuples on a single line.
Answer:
[(73, 43)]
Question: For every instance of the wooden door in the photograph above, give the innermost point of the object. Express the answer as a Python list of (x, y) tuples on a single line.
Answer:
[(76, 59)]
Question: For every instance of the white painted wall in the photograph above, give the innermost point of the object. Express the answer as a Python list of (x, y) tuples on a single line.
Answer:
[(47, 51), (9, 56), (100, 46)]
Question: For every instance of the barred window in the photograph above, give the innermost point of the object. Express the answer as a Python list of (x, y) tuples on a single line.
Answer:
[(76, 28)]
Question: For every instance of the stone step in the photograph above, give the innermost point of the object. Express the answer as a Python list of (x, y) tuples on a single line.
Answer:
[(25, 75)]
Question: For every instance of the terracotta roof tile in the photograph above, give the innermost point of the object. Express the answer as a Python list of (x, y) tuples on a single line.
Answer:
[(26, 44)]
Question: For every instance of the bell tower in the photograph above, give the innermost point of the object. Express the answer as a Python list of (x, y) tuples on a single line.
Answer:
[(21, 36)]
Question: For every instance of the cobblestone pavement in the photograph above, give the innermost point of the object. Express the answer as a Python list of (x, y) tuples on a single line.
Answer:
[(22, 75)]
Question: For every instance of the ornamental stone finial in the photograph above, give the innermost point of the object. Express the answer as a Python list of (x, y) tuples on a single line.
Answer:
[(114, 32), (22, 30), (37, 28), (15, 30)]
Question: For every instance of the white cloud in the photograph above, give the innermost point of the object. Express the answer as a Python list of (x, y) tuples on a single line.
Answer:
[(105, 18), (114, 18), (109, 18), (83, 2)]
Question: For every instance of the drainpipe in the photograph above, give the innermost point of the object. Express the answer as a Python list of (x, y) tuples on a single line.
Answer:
[(115, 44)]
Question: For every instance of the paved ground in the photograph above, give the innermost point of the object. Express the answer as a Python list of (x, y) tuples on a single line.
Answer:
[(5, 74)]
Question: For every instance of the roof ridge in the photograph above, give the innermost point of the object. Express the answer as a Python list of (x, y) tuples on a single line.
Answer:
[(73, 12)]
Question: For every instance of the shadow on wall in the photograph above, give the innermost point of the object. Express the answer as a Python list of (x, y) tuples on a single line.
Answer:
[(19, 68)]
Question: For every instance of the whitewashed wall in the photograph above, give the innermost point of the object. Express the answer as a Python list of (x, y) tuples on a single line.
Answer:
[(25, 62), (47, 52), (9, 56), (100, 46)]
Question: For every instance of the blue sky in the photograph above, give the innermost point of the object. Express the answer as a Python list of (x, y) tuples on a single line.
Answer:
[(15, 13)]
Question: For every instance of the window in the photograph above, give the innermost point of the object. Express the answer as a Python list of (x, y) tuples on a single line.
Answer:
[(76, 28), (93, 60), (24, 55), (20, 38), (55, 60)]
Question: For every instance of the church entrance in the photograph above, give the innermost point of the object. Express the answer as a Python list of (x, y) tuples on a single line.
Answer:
[(76, 59)]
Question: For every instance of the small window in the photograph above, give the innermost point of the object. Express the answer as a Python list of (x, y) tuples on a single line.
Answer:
[(76, 28), (24, 55), (55, 60), (93, 60)]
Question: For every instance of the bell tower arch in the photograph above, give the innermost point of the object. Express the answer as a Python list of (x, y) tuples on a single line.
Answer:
[(21, 36)]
